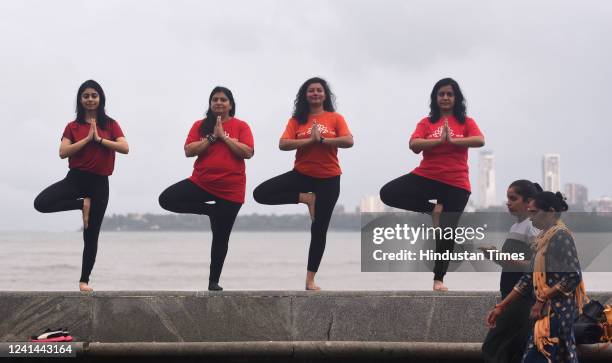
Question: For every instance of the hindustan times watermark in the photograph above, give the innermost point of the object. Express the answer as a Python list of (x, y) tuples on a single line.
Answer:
[(428, 255)]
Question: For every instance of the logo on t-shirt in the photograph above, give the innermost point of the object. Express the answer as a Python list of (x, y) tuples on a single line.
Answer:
[(438, 132), (323, 130)]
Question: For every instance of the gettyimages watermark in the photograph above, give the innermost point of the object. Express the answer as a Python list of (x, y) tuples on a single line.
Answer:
[(474, 242), (410, 234)]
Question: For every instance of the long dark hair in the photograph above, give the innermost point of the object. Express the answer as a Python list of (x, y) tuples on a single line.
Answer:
[(525, 188), (459, 109), (547, 200), (301, 108), (102, 119), (208, 125)]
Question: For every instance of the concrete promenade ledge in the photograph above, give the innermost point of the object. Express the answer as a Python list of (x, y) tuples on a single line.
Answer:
[(276, 325)]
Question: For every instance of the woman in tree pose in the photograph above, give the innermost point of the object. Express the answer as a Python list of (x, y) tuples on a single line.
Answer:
[(216, 188), (89, 143), (316, 131), (444, 138)]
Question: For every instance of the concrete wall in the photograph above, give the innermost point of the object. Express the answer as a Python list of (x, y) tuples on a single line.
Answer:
[(250, 316)]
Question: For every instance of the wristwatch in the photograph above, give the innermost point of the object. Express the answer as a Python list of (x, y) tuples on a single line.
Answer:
[(211, 138), (321, 140)]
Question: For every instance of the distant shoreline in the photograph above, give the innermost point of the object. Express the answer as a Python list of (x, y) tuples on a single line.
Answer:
[(249, 222), (496, 221)]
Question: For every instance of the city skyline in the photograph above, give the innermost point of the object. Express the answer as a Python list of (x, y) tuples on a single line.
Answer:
[(576, 194)]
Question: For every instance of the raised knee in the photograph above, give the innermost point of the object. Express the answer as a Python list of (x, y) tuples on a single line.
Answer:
[(164, 201), (258, 195), (385, 195), (39, 205)]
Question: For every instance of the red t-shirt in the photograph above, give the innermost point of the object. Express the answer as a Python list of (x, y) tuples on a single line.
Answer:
[(446, 163), (315, 160), (93, 157), (217, 170)]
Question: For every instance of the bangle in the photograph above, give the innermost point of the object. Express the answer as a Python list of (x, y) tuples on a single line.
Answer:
[(100, 142), (539, 299)]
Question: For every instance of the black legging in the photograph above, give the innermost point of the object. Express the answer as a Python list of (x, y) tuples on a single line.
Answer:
[(413, 192), (186, 197), (66, 195), (286, 188)]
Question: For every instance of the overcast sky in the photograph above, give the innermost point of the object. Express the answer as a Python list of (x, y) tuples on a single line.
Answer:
[(535, 75)]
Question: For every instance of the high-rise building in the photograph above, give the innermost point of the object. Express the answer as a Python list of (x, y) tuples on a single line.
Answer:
[(486, 179), (576, 194), (551, 177), (372, 204)]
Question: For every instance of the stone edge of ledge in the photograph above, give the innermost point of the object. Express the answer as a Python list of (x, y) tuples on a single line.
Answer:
[(303, 349)]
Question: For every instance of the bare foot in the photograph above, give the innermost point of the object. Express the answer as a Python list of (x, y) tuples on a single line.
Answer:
[(310, 283), (435, 214), (311, 286), (84, 287), (309, 199), (439, 286), (86, 207)]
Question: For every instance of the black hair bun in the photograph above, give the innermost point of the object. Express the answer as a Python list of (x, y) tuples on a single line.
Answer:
[(562, 202), (538, 187)]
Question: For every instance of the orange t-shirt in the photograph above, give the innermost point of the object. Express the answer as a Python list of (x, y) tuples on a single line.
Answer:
[(317, 160)]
